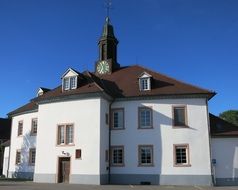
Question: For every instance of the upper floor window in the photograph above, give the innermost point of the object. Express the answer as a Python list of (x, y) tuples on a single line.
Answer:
[(34, 126), (145, 81), (70, 83), (32, 156), (179, 116), (20, 128), (65, 134), (70, 79), (145, 118), (118, 118)]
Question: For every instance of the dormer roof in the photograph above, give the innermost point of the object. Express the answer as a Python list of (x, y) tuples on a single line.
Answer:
[(145, 75), (70, 70)]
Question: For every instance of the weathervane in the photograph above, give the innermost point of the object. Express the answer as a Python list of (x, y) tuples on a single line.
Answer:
[(108, 6)]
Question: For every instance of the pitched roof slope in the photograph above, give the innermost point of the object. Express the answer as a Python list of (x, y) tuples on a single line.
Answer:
[(122, 83), (222, 128)]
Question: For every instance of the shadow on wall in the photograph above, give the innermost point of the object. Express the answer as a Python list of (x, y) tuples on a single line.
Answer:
[(24, 170)]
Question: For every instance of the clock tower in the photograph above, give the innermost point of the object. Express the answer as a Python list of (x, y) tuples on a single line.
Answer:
[(107, 44)]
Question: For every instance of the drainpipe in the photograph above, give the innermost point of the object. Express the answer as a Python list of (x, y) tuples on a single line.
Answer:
[(109, 143), (210, 147)]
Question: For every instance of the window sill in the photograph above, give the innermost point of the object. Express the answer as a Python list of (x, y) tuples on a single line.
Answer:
[(63, 145), (151, 127), (146, 165), (117, 165), (182, 165), (33, 134), (117, 129), (180, 127)]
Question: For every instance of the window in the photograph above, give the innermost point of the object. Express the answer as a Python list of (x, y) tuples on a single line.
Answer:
[(117, 156), (144, 84), (20, 128), (181, 155), (179, 116), (66, 83), (78, 154), (145, 81), (70, 83), (18, 157), (145, 155), (118, 118), (34, 126), (65, 134), (145, 118), (32, 156)]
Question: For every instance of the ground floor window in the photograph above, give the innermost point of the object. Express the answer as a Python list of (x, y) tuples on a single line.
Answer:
[(117, 155), (18, 157), (181, 155), (32, 156), (145, 153)]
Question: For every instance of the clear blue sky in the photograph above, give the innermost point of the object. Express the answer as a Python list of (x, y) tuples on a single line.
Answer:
[(192, 40)]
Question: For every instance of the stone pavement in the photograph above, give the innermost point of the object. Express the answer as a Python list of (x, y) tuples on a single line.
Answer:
[(10, 185)]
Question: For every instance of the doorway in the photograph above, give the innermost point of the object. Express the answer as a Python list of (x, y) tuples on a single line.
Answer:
[(64, 170)]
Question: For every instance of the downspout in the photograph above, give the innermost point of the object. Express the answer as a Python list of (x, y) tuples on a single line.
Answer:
[(210, 146), (9, 156), (109, 142)]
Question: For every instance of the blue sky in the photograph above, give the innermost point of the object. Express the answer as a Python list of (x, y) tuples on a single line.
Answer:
[(192, 40)]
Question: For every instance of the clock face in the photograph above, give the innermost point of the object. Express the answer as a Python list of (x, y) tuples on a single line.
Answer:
[(103, 67)]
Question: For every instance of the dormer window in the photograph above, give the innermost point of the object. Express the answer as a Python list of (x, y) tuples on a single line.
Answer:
[(70, 83), (70, 80), (145, 82)]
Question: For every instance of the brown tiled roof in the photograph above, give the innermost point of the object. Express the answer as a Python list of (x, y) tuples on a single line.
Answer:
[(5, 129), (222, 128), (27, 107), (122, 83)]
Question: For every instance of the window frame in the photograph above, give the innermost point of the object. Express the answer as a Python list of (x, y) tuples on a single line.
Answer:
[(185, 116), (18, 128), (186, 146), (65, 135), (18, 151), (33, 133), (143, 81), (30, 156), (69, 79), (151, 117), (112, 158), (152, 155), (123, 118)]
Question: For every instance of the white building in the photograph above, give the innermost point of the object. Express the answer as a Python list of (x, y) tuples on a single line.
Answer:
[(151, 128)]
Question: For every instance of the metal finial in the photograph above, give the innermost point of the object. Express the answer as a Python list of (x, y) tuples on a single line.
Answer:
[(108, 6)]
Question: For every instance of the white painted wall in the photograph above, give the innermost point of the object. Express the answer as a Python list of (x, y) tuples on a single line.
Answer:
[(225, 151), (5, 161), (104, 136), (24, 142), (163, 136), (85, 115)]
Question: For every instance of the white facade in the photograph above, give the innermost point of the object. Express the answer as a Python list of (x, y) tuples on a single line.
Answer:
[(5, 161), (91, 136), (225, 152), (24, 143), (163, 136)]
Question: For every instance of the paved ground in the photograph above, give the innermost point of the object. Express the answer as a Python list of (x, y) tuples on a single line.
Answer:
[(5, 185)]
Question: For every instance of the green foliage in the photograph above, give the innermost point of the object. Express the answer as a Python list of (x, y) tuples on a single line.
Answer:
[(230, 116)]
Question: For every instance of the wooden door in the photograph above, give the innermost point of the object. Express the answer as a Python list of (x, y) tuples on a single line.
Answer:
[(64, 170)]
